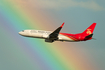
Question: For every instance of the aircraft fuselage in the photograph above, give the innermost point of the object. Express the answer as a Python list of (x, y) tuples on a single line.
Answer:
[(43, 35), (51, 36)]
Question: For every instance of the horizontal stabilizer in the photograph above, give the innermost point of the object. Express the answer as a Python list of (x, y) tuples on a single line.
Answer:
[(89, 36)]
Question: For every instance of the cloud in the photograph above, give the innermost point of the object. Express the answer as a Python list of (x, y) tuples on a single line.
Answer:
[(60, 4)]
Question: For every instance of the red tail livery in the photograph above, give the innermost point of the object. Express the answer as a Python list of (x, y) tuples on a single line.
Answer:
[(90, 29), (86, 35)]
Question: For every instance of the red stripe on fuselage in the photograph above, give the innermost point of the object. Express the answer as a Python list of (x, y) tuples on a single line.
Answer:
[(71, 36)]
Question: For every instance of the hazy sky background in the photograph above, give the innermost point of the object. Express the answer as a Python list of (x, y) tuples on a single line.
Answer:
[(20, 53)]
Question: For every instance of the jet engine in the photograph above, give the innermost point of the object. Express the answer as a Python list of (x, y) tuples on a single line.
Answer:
[(48, 40)]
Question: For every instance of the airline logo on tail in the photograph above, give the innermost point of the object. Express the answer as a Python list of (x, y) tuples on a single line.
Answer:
[(89, 31)]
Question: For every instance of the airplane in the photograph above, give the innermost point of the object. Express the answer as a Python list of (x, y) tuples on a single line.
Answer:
[(51, 36)]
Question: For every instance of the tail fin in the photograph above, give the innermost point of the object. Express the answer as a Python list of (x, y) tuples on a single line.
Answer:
[(89, 30)]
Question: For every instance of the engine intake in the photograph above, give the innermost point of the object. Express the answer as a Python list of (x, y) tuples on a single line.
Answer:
[(48, 40)]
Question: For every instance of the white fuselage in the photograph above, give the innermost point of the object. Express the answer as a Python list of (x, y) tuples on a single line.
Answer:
[(43, 34)]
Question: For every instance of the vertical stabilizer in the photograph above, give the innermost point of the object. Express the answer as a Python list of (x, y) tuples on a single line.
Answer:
[(89, 30)]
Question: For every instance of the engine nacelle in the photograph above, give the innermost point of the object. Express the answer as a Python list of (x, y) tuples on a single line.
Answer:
[(48, 40)]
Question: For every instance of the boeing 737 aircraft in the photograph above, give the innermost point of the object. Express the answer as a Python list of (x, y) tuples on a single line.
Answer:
[(51, 36)]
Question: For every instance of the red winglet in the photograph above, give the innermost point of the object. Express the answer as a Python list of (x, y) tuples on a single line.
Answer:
[(62, 25)]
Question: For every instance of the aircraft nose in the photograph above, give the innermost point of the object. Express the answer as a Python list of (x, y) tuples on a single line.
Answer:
[(20, 33)]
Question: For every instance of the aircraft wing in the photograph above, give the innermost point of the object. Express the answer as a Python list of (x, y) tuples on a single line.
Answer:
[(54, 35)]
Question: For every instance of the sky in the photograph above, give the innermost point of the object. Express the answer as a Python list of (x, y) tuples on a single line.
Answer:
[(23, 53)]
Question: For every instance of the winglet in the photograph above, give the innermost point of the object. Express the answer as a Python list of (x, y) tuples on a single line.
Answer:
[(62, 25)]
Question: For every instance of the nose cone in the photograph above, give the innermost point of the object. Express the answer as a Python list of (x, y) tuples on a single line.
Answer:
[(20, 33)]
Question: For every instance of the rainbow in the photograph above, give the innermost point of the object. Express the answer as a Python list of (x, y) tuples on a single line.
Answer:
[(17, 15)]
